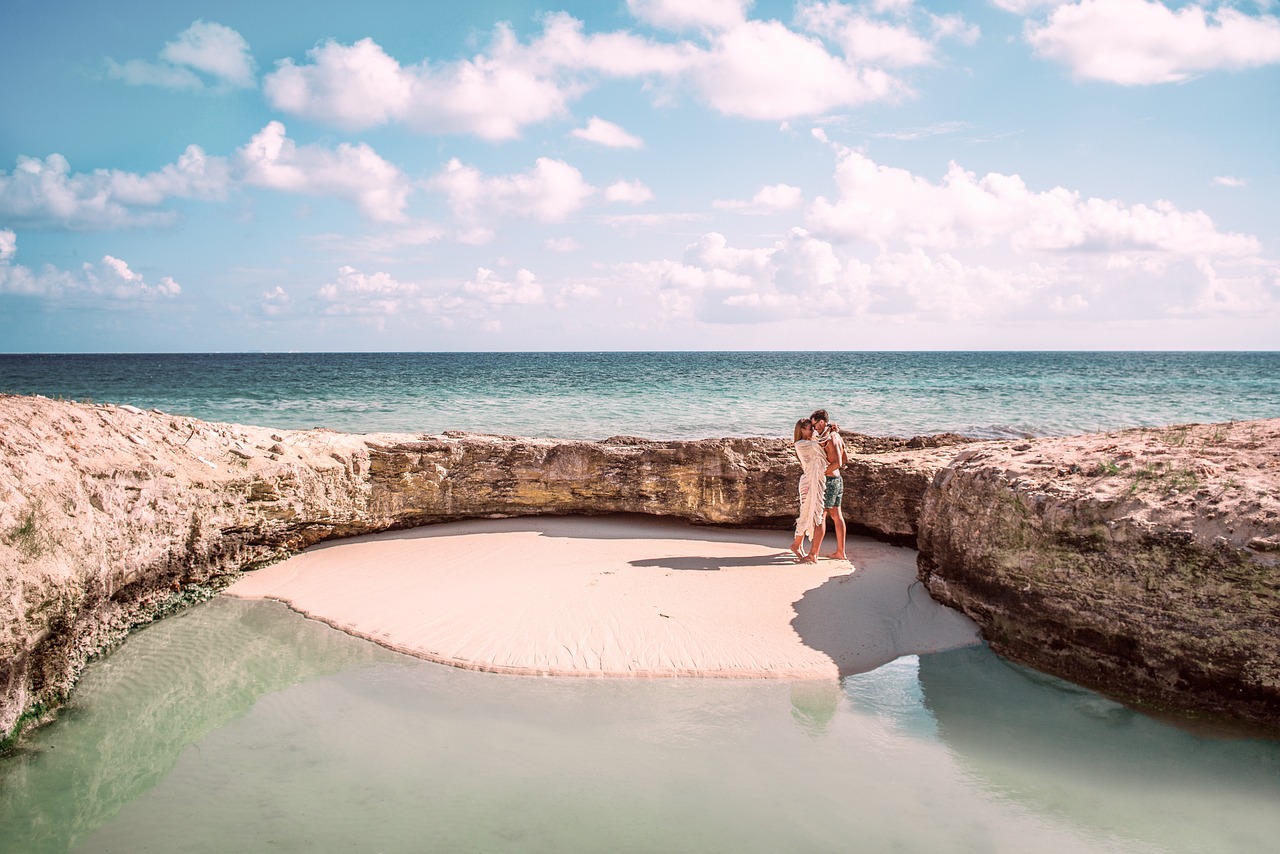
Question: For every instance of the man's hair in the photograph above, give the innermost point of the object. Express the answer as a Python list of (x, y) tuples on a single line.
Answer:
[(819, 415)]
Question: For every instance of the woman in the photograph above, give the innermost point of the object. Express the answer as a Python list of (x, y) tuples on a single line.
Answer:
[(813, 462)]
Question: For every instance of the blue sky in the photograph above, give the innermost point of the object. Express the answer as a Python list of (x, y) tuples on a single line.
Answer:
[(639, 174)]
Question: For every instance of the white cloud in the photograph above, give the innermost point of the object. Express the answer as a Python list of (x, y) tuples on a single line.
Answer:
[(353, 87), (356, 172), (1142, 42), (216, 51), (888, 205), (1229, 181), (550, 192), (488, 288), (562, 244), (276, 302), (893, 42), (1023, 7), (802, 276), (357, 293), (752, 68), (492, 96), (111, 278), (607, 134), (632, 192), (763, 70), (685, 15), (46, 194), (196, 175), (767, 200)]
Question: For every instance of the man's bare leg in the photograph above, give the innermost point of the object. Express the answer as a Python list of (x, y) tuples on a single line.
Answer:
[(837, 519)]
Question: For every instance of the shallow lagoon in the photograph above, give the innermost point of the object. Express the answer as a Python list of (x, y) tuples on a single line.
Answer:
[(242, 726)]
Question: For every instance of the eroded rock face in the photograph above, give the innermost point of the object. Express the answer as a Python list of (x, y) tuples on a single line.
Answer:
[(1139, 563), (107, 513)]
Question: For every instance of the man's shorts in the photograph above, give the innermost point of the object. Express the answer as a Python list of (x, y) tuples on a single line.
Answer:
[(835, 492)]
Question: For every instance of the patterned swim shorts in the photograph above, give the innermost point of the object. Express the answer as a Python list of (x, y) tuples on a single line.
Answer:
[(835, 491)]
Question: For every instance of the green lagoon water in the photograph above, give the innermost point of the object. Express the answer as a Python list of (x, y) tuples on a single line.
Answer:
[(242, 726)]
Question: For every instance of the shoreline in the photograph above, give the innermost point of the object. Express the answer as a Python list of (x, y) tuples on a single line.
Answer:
[(616, 597)]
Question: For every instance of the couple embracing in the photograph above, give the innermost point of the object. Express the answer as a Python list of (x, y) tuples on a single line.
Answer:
[(821, 451)]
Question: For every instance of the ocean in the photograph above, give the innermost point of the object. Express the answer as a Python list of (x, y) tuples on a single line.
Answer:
[(666, 395)]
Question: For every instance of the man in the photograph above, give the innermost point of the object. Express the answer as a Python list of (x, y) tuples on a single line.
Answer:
[(829, 435)]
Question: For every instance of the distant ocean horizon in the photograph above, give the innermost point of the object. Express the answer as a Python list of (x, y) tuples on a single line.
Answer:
[(668, 394)]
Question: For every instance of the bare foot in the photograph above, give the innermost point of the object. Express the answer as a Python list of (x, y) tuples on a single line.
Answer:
[(808, 559), (837, 556)]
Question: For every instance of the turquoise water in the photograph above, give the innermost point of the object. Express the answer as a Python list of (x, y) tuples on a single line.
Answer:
[(241, 726), (672, 395)]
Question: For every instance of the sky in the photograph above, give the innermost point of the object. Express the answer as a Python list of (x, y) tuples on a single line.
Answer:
[(185, 176)]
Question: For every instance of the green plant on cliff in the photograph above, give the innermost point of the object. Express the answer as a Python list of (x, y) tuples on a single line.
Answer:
[(1177, 437), (29, 536), (1105, 468), (1163, 477)]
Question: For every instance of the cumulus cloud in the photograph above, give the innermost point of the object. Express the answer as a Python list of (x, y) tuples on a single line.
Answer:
[(111, 278), (1143, 42), (607, 134), (632, 192), (802, 276), (895, 245), (46, 194), (683, 15), (379, 296), (764, 70), (218, 53), (550, 192), (839, 56), (355, 172), (868, 38), (492, 95), (488, 288), (357, 293), (767, 200), (276, 301), (884, 205), (797, 276), (562, 244)]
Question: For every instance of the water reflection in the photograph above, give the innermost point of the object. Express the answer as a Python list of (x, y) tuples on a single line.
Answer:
[(1068, 751), (814, 704), (243, 726), (167, 688)]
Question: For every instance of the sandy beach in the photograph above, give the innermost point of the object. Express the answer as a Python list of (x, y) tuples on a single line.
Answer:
[(618, 596)]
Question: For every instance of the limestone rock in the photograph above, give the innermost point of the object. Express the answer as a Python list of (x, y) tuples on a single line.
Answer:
[(1125, 562)]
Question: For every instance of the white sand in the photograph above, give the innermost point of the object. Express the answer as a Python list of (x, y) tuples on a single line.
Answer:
[(617, 596)]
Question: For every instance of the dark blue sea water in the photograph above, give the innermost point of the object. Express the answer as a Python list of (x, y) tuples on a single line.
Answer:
[(672, 395)]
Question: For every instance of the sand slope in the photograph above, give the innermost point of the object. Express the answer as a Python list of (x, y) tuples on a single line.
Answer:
[(616, 596)]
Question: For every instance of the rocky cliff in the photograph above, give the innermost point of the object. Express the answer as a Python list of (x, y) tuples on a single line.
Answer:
[(110, 515), (1145, 564)]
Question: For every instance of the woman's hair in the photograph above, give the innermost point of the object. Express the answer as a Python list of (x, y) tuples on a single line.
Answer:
[(802, 424)]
